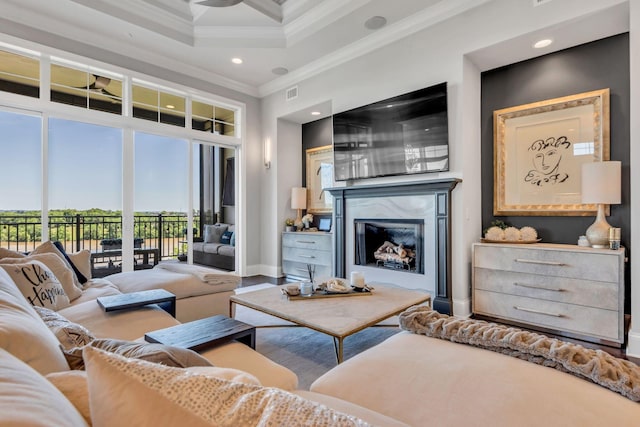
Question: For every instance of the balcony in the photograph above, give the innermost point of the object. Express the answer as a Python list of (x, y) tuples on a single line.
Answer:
[(157, 237)]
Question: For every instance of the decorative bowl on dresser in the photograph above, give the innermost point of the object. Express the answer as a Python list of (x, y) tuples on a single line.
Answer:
[(566, 290), (302, 249)]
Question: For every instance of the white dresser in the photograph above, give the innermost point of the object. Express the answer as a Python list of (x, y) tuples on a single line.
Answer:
[(564, 289), (300, 249)]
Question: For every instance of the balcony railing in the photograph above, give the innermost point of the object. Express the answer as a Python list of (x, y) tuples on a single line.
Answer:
[(166, 233)]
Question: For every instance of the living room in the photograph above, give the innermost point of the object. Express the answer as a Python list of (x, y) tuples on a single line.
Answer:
[(456, 48)]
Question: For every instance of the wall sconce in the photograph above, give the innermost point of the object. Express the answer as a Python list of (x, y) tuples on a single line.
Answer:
[(266, 152), (600, 184), (299, 202)]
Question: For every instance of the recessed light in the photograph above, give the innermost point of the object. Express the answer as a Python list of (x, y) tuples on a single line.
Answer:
[(389, 105), (315, 113), (236, 60), (280, 71), (375, 22), (542, 43), (171, 107)]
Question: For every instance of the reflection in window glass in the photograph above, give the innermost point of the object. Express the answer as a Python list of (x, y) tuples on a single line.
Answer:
[(158, 106), (210, 118), (86, 89), (20, 202), (19, 74)]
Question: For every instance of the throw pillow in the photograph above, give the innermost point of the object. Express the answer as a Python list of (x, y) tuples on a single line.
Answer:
[(81, 278), (82, 261), (38, 284), (49, 247), (151, 352), (8, 253), (233, 239), (120, 391), (73, 385), (225, 239), (70, 335), (213, 232), (57, 267)]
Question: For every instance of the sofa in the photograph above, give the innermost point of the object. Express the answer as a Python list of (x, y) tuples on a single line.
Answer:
[(217, 247), (439, 371)]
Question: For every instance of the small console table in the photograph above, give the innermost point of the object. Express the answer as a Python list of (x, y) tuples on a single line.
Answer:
[(207, 332), (165, 299)]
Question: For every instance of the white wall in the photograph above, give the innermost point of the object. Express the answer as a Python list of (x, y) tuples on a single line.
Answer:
[(440, 53)]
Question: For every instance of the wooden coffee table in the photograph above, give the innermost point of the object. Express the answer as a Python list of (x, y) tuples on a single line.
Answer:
[(200, 334), (337, 317)]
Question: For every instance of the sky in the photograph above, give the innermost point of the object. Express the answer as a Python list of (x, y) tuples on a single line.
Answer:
[(85, 167)]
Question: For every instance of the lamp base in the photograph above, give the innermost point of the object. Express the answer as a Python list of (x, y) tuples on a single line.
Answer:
[(598, 232), (298, 221)]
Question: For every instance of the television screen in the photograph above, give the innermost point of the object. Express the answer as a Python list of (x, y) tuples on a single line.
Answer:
[(406, 134)]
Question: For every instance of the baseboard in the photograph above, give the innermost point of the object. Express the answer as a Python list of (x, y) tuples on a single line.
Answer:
[(633, 344), (462, 308)]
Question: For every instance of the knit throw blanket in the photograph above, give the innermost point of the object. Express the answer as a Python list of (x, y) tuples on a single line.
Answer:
[(597, 366)]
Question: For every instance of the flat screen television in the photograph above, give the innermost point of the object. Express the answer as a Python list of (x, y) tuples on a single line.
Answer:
[(404, 135)]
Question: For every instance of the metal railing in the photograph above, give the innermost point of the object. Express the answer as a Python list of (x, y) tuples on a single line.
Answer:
[(164, 232)]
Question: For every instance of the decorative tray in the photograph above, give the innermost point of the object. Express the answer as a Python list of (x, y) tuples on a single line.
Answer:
[(483, 240), (326, 294)]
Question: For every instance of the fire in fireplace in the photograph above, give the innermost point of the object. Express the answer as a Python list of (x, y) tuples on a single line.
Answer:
[(390, 243)]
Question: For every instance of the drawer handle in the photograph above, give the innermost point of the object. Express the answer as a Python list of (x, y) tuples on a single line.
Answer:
[(534, 261), (302, 269), (531, 310), (525, 285), (306, 241), (306, 256)]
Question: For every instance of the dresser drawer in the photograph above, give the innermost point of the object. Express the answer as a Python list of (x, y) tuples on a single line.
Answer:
[(595, 322), (299, 269), (306, 256), (567, 290), (576, 264), (307, 240)]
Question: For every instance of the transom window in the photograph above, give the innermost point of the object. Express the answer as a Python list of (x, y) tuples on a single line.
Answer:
[(19, 74)]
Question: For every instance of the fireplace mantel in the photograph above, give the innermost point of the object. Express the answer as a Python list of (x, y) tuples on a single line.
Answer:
[(441, 189)]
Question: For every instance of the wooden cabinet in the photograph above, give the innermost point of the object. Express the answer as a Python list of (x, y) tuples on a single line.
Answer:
[(300, 249), (564, 289)]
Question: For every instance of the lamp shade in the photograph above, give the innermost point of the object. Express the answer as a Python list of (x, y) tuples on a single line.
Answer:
[(601, 182), (298, 198)]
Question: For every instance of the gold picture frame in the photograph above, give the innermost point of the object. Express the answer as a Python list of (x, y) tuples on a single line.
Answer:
[(319, 177), (539, 149)]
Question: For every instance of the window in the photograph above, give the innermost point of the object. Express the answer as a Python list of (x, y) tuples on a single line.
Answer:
[(19, 74), (158, 106), (86, 88), (210, 118)]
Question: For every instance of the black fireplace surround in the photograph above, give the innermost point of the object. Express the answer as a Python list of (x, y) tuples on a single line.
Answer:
[(442, 188)]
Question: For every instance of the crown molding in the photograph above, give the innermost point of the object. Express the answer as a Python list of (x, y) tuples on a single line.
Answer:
[(267, 7), (387, 35), (239, 36)]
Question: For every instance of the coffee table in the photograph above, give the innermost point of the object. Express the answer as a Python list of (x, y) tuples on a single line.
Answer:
[(336, 317)]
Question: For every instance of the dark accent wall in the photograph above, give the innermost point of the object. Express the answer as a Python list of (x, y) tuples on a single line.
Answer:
[(596, 65), (315, 134)]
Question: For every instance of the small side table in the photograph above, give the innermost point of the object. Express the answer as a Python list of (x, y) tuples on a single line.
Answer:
[(165, 299), (207, 332)]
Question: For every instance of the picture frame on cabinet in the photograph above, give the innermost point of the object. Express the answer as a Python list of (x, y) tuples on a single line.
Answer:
[(539, 149), (319, 176)]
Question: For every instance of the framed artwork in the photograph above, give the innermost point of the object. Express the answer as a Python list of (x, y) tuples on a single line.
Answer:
[(319, 177), (539, 150)]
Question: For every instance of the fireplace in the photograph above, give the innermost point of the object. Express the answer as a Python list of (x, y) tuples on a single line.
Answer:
[(393, 220), (394, 244)]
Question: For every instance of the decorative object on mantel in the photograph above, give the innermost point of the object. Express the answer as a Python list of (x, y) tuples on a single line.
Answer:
[(298, 202), (601, 185), (501, 233)]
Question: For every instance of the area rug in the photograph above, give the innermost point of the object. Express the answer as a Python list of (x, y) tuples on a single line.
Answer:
[(307, 353)]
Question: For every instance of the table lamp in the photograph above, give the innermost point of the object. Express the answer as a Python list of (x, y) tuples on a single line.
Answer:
[(601, 185), (299, 202)]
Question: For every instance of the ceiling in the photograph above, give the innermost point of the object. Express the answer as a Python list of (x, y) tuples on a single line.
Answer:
[(279, 41)]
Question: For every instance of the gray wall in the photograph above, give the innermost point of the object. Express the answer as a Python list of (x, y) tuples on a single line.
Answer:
[(597, 65)]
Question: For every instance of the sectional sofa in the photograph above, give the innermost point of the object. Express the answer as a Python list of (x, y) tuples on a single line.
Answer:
[(217, 247), (439, 371)]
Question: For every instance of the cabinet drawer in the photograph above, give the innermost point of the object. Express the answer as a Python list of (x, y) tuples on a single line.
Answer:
[(320, 241), (567, 290), (306, 256), (595, 322), (299, 269), (601, 267)]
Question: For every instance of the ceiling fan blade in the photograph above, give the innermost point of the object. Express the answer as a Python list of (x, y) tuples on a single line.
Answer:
[(219, 3)]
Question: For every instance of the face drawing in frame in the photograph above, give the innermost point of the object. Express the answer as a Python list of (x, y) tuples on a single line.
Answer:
[(547, 161)]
